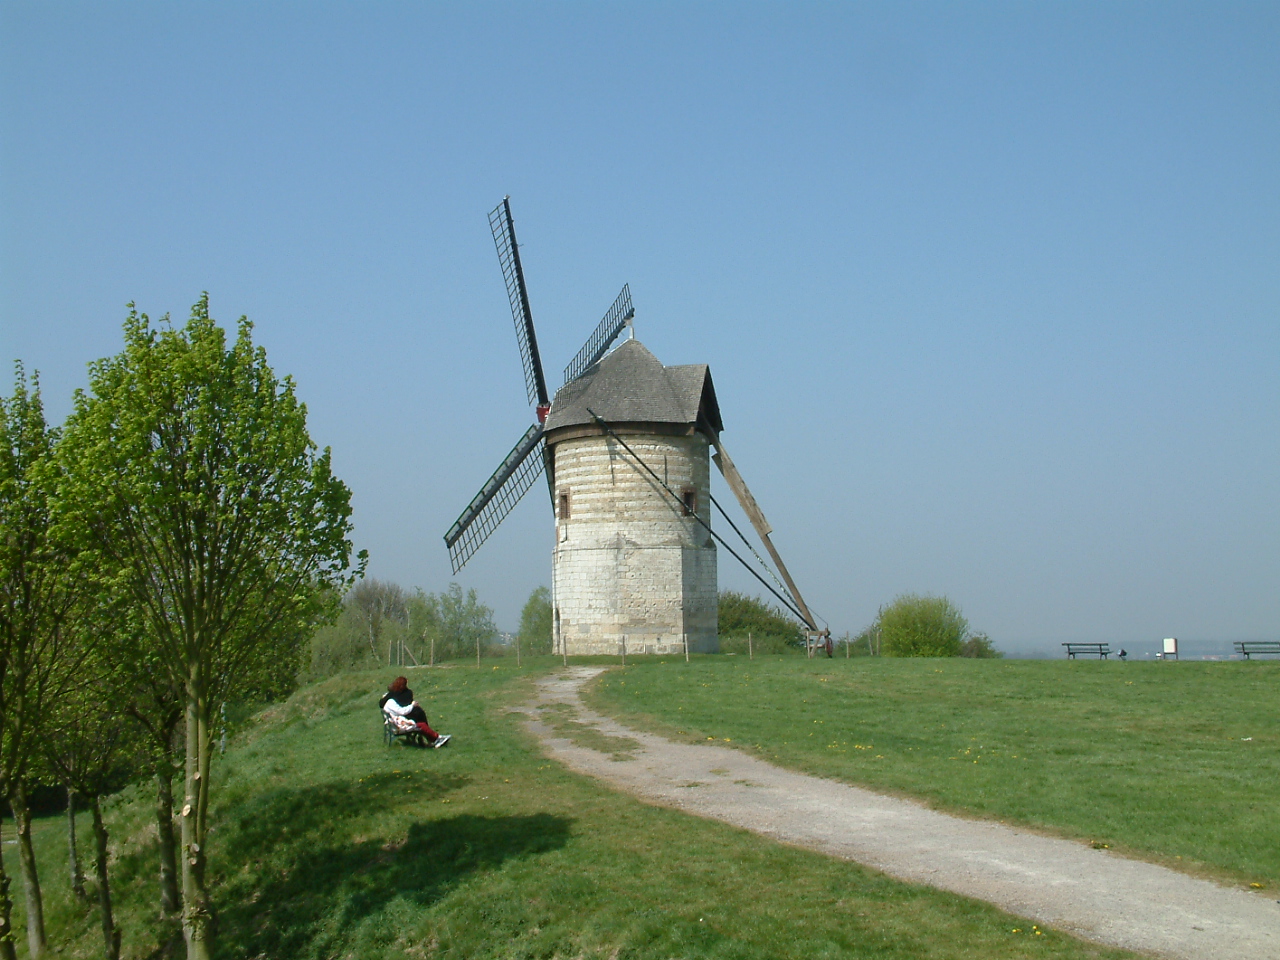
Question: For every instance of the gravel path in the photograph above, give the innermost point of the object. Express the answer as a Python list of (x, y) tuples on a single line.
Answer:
[(1093, 894)]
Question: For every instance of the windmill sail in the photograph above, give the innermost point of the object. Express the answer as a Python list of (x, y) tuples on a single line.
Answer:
[(598, 343), (504, 238), (498, 497)]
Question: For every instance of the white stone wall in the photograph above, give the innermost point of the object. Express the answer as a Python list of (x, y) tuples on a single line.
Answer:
[(629, 566)]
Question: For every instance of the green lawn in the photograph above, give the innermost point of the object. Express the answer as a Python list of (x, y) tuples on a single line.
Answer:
[(327, 844), (1177, 762)]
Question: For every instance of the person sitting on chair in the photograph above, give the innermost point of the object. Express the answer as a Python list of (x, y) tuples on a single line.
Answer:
[(398, 701)]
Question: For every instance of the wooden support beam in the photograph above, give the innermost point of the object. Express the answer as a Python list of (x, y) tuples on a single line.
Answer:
[(757, 518)]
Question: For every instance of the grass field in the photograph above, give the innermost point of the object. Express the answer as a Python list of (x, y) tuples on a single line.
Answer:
[(1175, 762), (327, 844)]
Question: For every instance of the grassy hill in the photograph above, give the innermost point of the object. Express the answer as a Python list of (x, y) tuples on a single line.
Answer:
[(328, 844), (1174, 762)]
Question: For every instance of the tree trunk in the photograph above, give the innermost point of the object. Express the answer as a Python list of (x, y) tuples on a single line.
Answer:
[(170, 898), (77, 875), (37, 942), (7, 950), (110, 935), (197, 916)]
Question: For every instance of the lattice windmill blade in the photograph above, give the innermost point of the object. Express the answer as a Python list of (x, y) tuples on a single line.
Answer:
[(504, 238), (614, 322), (498, 497)]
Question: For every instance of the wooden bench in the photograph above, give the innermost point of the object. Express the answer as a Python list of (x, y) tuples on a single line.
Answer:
[(1260, 647), (391, 733), (1099, 650)]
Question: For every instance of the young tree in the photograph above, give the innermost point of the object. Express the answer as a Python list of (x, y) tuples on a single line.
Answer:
[(466, 624), (155, 704), (37, 590), (422, 623), (196, 484), (535, 622), (73, 852), (95, 753), (380, 607)]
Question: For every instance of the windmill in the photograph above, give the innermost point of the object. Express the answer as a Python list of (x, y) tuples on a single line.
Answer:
[(625, 446)]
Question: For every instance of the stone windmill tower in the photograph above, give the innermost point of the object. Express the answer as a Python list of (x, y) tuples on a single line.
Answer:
[(632, 564), (626, 447)]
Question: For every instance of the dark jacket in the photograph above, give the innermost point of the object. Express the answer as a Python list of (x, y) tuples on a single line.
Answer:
[(404, 698)]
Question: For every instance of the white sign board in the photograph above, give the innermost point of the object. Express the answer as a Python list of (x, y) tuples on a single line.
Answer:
[(1171, 646)]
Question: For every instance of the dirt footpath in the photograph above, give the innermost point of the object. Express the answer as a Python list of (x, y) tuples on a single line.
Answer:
[(1093, 894)]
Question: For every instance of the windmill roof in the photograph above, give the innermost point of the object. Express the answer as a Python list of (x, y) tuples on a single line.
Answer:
[(631, 385)]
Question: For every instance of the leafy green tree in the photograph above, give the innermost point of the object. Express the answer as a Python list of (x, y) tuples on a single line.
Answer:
[(771, 629), (194, 481), (916, 626), (38, 589), (535, 622)]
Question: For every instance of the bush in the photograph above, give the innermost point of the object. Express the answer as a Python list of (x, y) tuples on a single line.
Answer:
[(771, 630), (979, 646), (914, 626)]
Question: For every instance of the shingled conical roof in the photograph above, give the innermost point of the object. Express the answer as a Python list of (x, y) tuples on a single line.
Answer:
[(631, 386)]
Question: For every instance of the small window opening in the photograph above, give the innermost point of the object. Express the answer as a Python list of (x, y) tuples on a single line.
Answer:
[(690, 502), (563, 512)]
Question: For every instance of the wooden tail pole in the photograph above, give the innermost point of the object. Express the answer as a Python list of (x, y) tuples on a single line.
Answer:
[(757, 518)]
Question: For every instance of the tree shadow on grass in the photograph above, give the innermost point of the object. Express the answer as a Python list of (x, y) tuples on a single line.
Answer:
[(257, 827), (304, 880)]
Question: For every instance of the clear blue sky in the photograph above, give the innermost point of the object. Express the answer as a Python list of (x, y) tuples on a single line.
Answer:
[(990, 292)]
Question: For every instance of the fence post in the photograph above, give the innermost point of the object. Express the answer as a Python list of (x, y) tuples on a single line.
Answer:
[(751, 650), (517, 651), (624, 649), (433, 651), (686, 647)]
